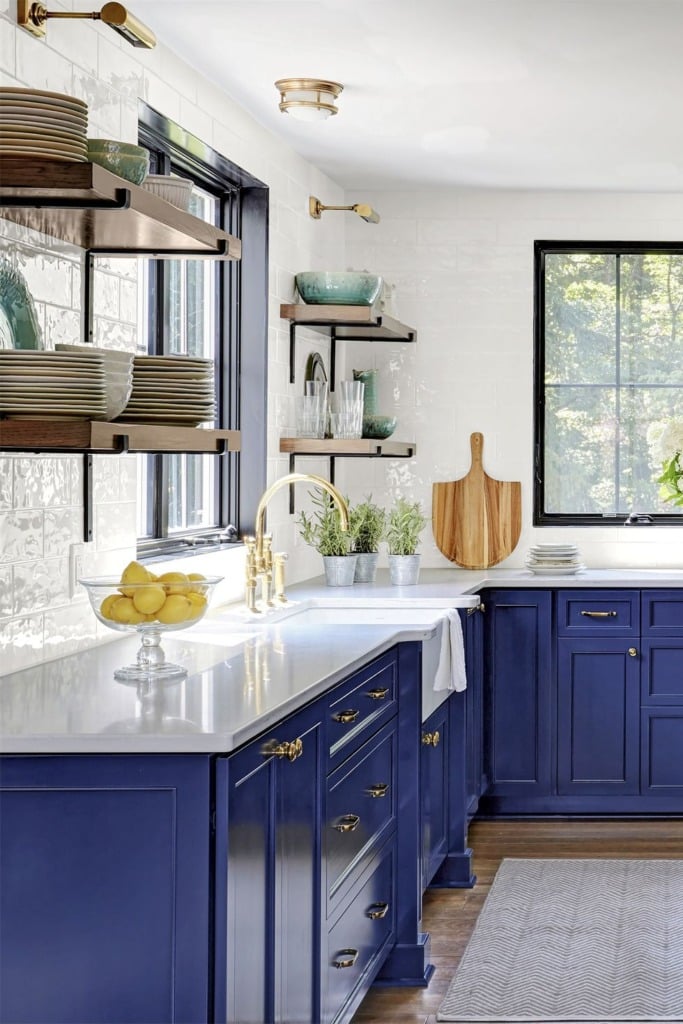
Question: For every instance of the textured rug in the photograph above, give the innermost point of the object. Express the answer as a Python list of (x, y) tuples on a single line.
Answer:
[(590, 941)]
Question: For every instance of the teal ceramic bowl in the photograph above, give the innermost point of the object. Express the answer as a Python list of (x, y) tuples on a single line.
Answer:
[(338, 288), (122, 158), (379, 427)]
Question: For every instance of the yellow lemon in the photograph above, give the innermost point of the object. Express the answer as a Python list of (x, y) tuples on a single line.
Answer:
[(176, 608), (149, 599), (174, 582), (133, 573), (123, 610), (106, 606), (195, 578), (197, 602), (137, 617)]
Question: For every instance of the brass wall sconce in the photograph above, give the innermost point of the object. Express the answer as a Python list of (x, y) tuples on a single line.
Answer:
[(308, 99), (33, 17), (316, 208)]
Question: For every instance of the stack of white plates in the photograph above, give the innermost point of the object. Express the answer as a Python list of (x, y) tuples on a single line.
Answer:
[(554, 559), (38, 124), (52, 385), (171, 389)]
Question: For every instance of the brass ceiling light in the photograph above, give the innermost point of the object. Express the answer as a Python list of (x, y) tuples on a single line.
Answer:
[(308, 99), (316, 208), (33, 17)]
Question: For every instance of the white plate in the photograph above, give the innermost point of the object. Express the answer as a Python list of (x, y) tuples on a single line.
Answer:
[(182, 391), (44, 146), (537, 570), (43, 106), (39, 132), (42, 95), (167, 417), (70, 158), (172, 361), (553, 547), (37, 124)]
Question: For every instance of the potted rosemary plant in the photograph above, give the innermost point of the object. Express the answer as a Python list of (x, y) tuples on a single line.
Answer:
[(405, 524), (367, 525), (322, 530)]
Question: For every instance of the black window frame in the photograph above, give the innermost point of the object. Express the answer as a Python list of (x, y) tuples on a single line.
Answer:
[(542, 248), (242, 333)]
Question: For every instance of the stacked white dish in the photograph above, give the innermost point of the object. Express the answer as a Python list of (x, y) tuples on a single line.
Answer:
[(554, 559), (52, 385), (171, 389), (37, 124), (118, 375)]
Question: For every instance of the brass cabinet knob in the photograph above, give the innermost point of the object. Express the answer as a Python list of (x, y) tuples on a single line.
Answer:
[(346, 716), (348, 823), (345, 958), (632, 652), (289, 750), (379, 693), (431, 739), (376, 911), (379, 789)]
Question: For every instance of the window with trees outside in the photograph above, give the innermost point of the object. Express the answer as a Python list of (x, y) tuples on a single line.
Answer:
[(608, 342), (213, 309)]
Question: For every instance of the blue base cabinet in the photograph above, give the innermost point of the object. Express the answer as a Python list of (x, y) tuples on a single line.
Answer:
[(104, 889), (435, 791)]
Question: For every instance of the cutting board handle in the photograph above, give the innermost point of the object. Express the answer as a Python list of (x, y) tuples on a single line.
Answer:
[(477, 449)]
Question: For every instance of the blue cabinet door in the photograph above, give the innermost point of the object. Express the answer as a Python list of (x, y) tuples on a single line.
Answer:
[(104, 889), (434, 785), (598, 700), (268, 812), (519, 680)]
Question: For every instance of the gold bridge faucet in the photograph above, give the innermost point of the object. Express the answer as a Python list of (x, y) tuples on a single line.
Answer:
[(261, 562)]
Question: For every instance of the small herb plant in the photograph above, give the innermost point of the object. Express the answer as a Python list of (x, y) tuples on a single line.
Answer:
[(367, 525), (405, 524), (322, 529)]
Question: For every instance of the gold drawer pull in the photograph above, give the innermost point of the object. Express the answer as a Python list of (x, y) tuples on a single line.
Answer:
[(349, 823), (600, 615), (379, 789), (376, 911), (346, 716), (431, 739), (289, 750), (345, 958), (379, 693)]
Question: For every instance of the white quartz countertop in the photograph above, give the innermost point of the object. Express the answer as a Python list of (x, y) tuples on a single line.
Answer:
[(246, 672)]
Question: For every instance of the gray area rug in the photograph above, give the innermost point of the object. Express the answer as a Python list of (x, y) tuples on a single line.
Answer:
[(592, 941)]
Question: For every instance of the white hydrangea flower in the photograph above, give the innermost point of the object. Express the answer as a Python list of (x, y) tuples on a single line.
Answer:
[(671, 440)]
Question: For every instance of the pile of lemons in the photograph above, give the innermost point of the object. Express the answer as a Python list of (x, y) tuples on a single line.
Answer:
[(144, 597)]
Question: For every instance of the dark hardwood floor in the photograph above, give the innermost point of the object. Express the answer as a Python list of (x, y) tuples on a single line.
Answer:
[(450, 914)]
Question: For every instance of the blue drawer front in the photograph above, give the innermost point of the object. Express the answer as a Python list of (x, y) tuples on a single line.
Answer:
[(350, 796), (662, 671), (662, 743), (663, 612), (360, 936), (362, 705), (586, 612)]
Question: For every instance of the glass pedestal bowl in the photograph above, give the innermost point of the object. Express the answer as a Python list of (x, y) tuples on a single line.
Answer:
[(150, 609)]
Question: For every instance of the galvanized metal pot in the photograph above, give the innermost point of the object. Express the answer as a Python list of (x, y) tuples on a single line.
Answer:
[(404, 569), (339, 570), (366, 567)]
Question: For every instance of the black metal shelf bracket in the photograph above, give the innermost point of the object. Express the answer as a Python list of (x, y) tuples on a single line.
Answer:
[(121, 201), (88, 509)]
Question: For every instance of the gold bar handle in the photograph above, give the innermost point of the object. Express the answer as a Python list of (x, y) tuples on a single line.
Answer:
[(345, 717), (348, 823), (345, 958), (379, 693), (289, 750), (431, 739), (379, 789), (376, 911), (600, 615)]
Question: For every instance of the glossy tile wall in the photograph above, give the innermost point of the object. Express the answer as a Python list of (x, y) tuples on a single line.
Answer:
[(462, 264), (40, 497)]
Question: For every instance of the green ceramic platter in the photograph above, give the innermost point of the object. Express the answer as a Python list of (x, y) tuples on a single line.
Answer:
[(19, 327)]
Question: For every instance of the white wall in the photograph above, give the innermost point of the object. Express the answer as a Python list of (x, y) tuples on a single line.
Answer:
[(462, 261), (40, 498)]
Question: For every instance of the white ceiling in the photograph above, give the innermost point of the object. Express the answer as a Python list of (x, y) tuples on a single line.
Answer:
[(560, 94)]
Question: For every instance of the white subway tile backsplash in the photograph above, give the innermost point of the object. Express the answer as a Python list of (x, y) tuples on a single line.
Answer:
[(40, 584), (21, 642)]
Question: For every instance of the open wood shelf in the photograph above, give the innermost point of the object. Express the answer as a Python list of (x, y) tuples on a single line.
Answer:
[(99, 438), (343, 323), (88, 206), (366, 447)]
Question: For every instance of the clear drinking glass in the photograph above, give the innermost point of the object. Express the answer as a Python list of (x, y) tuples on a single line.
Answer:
[(349, 409), (311, 410)]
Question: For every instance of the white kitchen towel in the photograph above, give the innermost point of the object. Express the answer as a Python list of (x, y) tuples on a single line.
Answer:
[(450, 674)]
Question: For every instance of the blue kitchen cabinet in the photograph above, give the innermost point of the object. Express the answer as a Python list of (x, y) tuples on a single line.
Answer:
[(268, 809), (662, 697), (104, 889), (435, 790), (598, 716), (519, 677)]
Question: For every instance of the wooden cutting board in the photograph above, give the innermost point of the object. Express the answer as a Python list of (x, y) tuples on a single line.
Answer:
[(477, 520)]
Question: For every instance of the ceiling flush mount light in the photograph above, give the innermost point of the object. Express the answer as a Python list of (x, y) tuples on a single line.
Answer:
[(316, 208), (33, 17), (308, 99)]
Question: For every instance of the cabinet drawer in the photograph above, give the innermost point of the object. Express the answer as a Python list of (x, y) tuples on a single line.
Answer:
[(663, 612), (361, 705), (359, 937), (361, 809), (586, 612)]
